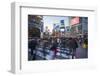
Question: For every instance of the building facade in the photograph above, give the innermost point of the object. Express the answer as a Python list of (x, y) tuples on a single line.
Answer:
[(35, 25), (79, 26)]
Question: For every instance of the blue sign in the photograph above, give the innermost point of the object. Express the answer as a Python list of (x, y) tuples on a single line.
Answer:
[(62, 22)]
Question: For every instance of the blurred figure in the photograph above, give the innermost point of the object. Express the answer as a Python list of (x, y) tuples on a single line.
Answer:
[(54, 48), (85, 43), (80, 40), (58, 42), (32, 45), (45, 44), (72, 45)]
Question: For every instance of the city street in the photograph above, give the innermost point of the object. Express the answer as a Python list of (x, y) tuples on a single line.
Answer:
[(49, 54), (57, 37), (61, 54)]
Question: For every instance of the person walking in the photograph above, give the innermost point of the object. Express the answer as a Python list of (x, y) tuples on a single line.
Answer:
[(72, 44), (32, 46), (54, 48)]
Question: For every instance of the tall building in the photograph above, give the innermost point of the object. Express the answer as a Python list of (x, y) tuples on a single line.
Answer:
[(56, 27), (79, 26), (35, 25), (62, 25), (62, 29), (56, 30), (75, 24), (84, 24)]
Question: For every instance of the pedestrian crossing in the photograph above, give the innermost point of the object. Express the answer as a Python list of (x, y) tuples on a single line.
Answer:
[(47, 54)]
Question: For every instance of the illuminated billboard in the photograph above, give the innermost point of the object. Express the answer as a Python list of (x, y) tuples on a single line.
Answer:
[(75, 20)]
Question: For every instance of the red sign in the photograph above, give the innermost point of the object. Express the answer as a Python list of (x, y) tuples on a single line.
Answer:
[(75, 21)]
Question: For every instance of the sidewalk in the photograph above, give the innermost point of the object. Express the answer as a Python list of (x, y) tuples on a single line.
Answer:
[(81, 52)]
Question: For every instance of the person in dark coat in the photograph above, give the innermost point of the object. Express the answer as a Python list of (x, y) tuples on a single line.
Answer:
[(32, 46), (72, 44), (44, 48), (54, 48)]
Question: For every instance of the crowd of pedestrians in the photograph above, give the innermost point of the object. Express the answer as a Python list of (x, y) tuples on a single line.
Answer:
[(53, 43)]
